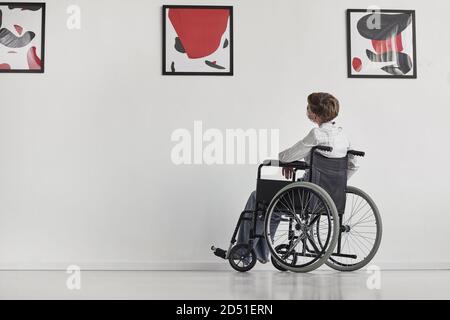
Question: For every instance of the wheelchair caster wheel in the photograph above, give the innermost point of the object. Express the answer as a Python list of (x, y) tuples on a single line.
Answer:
[(291, 259), (242, 257)]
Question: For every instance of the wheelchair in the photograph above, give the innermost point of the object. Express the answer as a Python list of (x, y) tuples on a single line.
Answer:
[(312, 221)]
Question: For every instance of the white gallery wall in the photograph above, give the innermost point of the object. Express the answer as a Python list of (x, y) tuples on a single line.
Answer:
[(86, 175)]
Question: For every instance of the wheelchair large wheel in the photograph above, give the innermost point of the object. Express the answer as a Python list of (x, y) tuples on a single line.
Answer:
[(360, 233), (291, 223), (242, 257)]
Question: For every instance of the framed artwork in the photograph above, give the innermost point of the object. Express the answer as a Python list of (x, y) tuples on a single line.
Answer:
[(381, 44), (197, 40), (22, 37)]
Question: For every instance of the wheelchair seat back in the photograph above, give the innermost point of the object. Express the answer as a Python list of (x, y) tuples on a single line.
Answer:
[(328, 173), (331, 175)]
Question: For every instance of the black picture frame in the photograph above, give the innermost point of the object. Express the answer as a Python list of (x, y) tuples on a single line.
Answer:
[(387, 76), (42, 57), (231, 44)]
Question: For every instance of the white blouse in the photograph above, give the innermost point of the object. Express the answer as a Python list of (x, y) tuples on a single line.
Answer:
[(327, 134)]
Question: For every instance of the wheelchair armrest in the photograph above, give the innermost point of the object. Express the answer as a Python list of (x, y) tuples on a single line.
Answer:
[(301, 165), (277, 163), (356, 153), (297, 165)]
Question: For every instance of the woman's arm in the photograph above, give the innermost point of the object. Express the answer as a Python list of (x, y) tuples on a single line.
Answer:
[(299, 150)]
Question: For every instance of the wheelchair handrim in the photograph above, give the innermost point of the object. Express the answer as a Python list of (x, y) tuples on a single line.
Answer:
[(331, 210)]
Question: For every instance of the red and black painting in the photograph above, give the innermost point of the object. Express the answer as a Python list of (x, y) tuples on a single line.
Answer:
[(197, 40), (381, 43), (22, 37)]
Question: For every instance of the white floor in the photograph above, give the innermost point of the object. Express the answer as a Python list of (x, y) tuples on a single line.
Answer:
[(224, 285)]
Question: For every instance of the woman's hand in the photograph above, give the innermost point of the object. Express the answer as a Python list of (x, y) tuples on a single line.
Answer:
[(288, 173)]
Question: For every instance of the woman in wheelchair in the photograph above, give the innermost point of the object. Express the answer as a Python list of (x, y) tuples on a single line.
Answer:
[(316, 219)]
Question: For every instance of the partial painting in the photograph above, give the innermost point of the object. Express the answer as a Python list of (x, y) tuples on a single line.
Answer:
[(197, 40), (381, 44), (22, 37)]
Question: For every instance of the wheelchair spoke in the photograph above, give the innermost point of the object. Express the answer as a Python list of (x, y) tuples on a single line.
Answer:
[(293, 215), (286, 206), (359, 243), (282, 236), (354, 213), (309, 199), (358, 234), (290, 211), (367, 215), (363, 216), (363, 242), (315, 205), (292, 200), (301, 199), (358, 204)]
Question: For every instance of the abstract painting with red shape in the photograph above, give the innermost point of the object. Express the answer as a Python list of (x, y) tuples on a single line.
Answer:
[(198, 40), (22, 37), (382, 43)]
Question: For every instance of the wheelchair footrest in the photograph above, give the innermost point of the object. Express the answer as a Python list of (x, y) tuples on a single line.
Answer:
[(219, 252), (343, 255)]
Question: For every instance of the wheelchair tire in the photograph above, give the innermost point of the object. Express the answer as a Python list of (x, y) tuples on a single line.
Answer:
[(242, 258), (303, 189), (366, 240), (276, 265), (279, 249)]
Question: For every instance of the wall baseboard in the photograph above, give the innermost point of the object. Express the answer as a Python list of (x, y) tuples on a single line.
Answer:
[(198, 266)]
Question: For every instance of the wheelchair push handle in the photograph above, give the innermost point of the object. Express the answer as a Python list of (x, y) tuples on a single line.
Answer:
[(356, 153), (323, 148)]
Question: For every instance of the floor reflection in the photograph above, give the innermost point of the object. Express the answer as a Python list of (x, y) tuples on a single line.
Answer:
[(301, 286)]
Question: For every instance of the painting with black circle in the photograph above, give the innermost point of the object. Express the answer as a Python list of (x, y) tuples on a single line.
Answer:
[(22, 30), (381, 43)]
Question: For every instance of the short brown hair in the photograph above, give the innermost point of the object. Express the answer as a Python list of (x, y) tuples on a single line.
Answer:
[(324, 105)]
